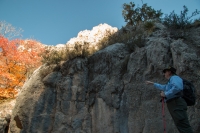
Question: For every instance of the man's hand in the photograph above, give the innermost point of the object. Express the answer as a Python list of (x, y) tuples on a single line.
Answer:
[(162, 94), (149, 82)]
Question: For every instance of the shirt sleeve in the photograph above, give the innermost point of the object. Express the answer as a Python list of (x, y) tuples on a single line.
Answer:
[(160, 87)]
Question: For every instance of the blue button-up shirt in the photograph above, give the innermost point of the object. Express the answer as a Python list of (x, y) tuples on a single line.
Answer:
[(170, 89)]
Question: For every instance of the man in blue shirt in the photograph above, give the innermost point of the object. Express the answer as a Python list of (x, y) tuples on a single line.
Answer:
[(175, 103)]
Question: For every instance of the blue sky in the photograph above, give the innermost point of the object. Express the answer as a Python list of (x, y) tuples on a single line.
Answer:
[(56, 21)]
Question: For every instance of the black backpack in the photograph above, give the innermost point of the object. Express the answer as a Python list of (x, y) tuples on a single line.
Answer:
[(189, 93)]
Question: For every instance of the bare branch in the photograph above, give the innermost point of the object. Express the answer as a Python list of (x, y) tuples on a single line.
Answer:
[(9, 31)]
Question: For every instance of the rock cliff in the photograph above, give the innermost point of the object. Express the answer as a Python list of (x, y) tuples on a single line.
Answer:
[(106, 92)]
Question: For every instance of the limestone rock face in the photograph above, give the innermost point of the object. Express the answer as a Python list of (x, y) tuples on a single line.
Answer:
[(93, 37), (106, 93), (5, 113)]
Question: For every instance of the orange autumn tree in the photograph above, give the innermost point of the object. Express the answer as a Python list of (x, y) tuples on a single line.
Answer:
[(33, 50), (18, 58)]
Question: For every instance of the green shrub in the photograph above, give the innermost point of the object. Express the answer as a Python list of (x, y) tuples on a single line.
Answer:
[(135, 16), (142, 19), (182, 21), (149, 26), (196, 22), (118, 37), (52, 56), (56, 56)]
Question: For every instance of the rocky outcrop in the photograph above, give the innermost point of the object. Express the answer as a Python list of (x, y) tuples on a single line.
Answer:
[(92, 37), (106, 92), (4, 124), (6, 107)]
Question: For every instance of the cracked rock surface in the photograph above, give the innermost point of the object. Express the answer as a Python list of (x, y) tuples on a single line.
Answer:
[(106, 93)]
